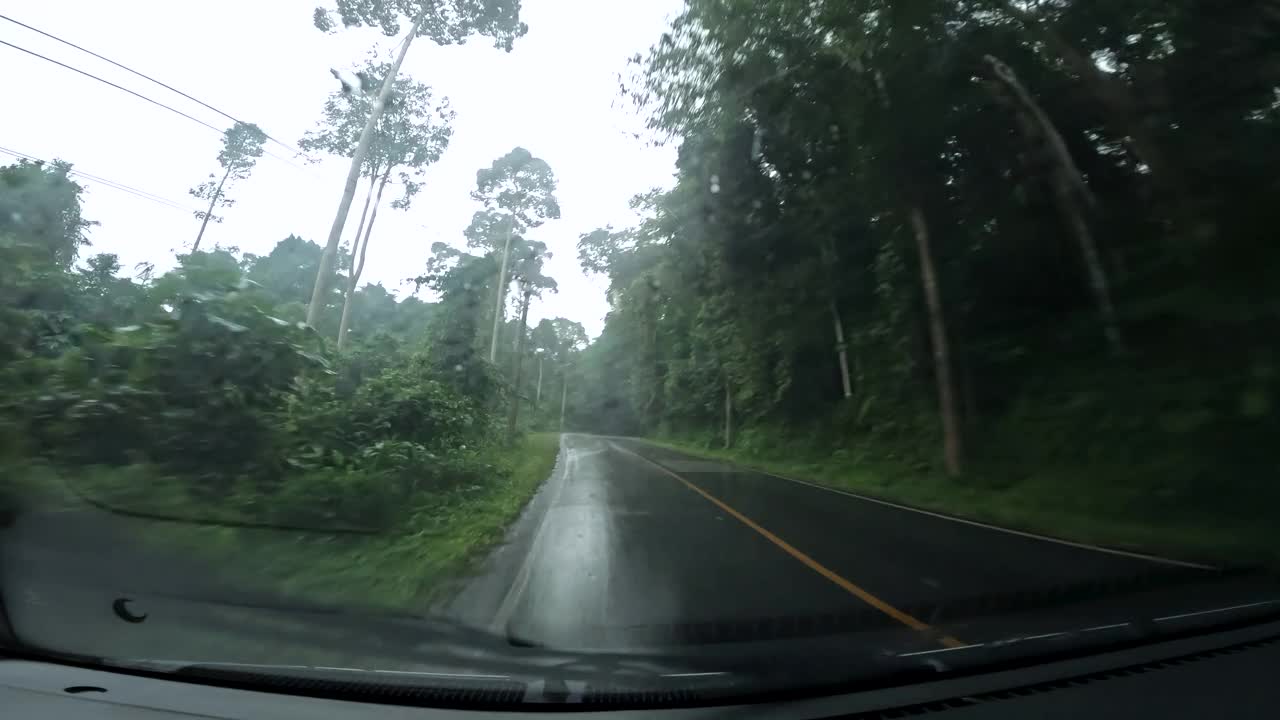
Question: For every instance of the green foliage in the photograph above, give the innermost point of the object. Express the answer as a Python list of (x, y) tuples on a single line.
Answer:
[(412, 133), (241, 147), (445, 22), (520, 189), (201, 394), (433, 546), (40, 210), (188, 390)]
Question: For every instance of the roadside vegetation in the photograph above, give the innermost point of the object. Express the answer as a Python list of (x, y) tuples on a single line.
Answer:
[(266, 411), (406, 566), (1012, 260), (200, 399)]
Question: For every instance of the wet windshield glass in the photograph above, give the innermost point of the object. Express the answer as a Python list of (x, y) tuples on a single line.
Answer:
[(443, 335)]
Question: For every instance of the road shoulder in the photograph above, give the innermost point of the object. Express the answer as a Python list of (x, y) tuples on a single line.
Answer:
[(481, 596)]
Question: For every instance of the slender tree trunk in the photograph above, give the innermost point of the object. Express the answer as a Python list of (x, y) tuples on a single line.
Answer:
[(937, 323), (537, 394), (500, 296), (655, 405), (358, 270), (938, 335), (1093, 265), (1069, 191), (1111, 94), (564, 397), (842, 350), (859, 377), (513, 414), (321, 288), (728, 413), (209, 213), (1036, 122), (364, 214)]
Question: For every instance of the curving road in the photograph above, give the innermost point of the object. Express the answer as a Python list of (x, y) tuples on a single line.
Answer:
[(629, 545)]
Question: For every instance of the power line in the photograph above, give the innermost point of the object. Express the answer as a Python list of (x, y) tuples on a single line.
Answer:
[(113, 184), (108, 82), (109, 183), (153, 102), (126, 68)]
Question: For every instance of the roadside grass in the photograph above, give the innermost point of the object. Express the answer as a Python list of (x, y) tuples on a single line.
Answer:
[(1098, 505), (406, 567), (25, 485), (436, 542)]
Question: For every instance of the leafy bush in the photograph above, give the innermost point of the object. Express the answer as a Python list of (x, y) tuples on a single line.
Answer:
[(191, 389), (200, 394), (212, 407)]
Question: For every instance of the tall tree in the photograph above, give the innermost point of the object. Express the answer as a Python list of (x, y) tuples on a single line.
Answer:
[(411, 134), (241, 147), (40, 203), (518, 193), (527, 270), (42, 232), (463, 282), (445, 22), (1046, 149)]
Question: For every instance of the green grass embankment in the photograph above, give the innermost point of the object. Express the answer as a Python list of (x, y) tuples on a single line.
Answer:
[(410, 565)]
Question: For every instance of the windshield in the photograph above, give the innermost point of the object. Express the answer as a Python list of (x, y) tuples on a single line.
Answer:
[(774, 343)]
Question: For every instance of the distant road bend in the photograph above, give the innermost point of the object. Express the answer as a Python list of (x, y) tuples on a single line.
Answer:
[(632, 545)]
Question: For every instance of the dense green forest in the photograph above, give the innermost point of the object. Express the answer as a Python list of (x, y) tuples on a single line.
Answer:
[(1000, 257)]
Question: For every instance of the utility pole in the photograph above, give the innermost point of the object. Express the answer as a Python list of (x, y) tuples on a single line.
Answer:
[(353, 178), (501, 293)]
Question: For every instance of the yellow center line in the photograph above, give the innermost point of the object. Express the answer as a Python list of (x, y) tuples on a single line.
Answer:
[(814, 565)]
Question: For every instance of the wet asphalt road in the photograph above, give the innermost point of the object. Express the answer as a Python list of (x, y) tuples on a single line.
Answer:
[(631, 545)]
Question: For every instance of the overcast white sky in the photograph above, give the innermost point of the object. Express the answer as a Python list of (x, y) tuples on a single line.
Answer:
[(263, 61)]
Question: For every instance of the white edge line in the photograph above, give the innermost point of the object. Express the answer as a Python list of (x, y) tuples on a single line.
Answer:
[(512, 598), (1044, 636), (975, 523), (940, 650), (1215, 610), (695, 674), (1112, 626)]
